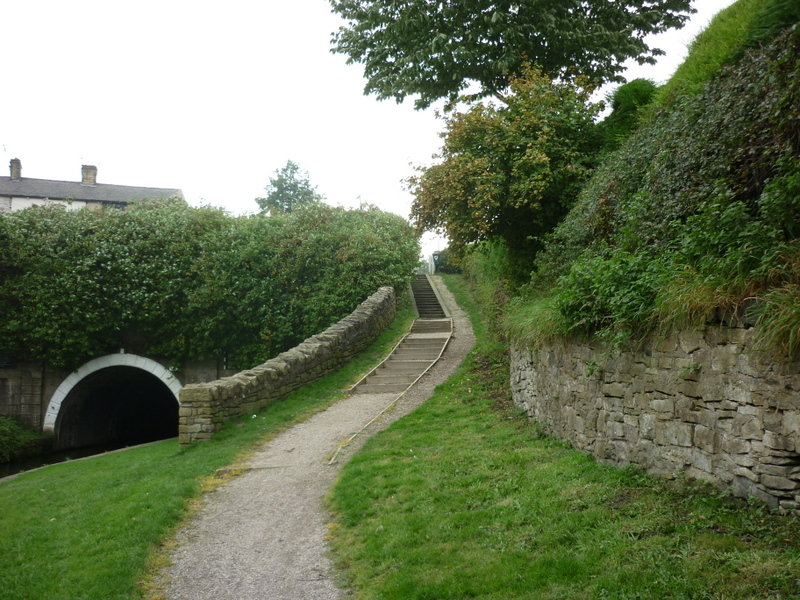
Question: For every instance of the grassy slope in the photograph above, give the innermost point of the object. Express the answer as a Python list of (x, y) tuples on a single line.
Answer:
[(696, 212), (710, 50), (86, 530), (463, 499)]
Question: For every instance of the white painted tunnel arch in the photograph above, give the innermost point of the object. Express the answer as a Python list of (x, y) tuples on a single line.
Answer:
[(111, 360)]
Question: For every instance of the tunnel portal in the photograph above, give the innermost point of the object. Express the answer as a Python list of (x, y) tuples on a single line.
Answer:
[(117, 405)]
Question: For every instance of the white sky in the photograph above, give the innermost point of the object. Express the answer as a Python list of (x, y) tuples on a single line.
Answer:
[(213, 97)]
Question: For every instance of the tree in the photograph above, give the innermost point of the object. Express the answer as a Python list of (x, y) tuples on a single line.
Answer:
[(509, 173), (288, 190), (436, 49)]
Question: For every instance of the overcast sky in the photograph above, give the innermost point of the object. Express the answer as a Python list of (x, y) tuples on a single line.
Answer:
[(212, 98)]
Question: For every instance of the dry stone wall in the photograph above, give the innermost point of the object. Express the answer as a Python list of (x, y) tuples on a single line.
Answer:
[(697, 403), (206, 406)]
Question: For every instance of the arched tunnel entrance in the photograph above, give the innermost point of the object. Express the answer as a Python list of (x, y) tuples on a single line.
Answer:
[(117, 405), (120, 399)]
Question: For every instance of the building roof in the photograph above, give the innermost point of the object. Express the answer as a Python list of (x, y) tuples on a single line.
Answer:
[(26, 187)]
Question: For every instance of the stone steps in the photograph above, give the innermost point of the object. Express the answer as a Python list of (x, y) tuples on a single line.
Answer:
[(428, 306), (431, 326), (417, 351)]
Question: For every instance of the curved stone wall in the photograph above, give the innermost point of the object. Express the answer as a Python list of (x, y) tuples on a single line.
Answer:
[(206, 406), (696, 403)]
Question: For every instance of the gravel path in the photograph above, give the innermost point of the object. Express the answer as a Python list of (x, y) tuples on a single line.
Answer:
[(262, 535)]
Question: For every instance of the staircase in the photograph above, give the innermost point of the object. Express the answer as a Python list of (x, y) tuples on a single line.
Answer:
[(428, 306), (422, 346)]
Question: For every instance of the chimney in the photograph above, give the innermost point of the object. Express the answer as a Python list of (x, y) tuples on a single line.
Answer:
[(88, 175), (16, 169)]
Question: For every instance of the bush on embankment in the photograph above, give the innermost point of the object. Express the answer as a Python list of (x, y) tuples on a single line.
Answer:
[(17, 441), (696, 215), (169, 280)]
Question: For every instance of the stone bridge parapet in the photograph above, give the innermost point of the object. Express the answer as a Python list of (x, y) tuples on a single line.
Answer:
[(204, 407)]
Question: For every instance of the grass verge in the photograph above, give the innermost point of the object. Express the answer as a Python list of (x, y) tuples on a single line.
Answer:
[(87, 530), (711, 49), (464, 498)]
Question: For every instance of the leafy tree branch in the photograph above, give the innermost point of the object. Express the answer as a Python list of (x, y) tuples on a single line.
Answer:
[(437, 49)]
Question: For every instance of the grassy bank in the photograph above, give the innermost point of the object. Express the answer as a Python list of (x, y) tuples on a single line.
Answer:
[(694, 217), (465, 499), (87, 530)]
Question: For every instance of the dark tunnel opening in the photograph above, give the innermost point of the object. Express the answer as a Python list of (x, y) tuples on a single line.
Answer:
[(118, 405)]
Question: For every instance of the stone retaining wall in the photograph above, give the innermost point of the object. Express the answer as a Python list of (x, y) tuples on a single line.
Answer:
[(206, 406), (21, 386), (695, 403)]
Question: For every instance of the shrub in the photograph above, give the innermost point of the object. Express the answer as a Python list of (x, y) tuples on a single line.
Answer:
[(627, 102), (487, 268), (15, 439)]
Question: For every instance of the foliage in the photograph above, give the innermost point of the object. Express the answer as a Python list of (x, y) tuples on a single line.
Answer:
[(486, 269), (328, 258), (289, 190), (627, 102), (181, 282), (695, 215), (509, 173), (86, 283), (605, 290), (770, 19), (438, 49), (16, 440)]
